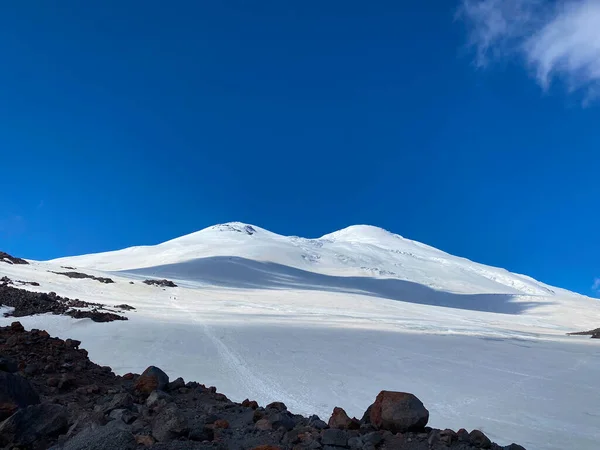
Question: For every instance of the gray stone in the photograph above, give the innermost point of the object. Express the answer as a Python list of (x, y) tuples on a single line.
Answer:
[(114, 435), (123, 415), (335, 437), (282, 420), (33, 424), (513, 446), (118, 401), (169, 424), (315, 422), (374, 438), (158, 398), (355, 443), (176, 384)]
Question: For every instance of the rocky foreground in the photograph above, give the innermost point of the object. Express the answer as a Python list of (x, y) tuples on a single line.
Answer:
[(53, 396)]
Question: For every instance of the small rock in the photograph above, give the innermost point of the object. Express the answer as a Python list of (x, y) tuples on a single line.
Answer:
[(463, 435), (221, 423), (123, 415), (283, 420), (264, 425), (144, 440), (8, 365), (17, 327), (129, 376), (479, 440), (118, 401), (66, 381), (279, 406), (201, 434), (72, 343), (178, 383), (513, 446), (152, 379), (157, 399), (258, 414), (448, 436), (335, 437), (53, 381), (316, 422), (374, 438)]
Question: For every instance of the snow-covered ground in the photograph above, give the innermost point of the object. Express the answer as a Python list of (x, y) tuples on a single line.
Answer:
[(327, 322)]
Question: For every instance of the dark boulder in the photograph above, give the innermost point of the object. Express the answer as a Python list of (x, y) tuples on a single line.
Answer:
[(479, 440), (334, 437), (34, 426), (152, 379), (15, 392), (398, 412), (112, 436), (169, 424), (8, 365)]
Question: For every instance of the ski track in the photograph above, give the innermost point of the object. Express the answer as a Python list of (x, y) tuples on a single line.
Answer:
[(257, 386)]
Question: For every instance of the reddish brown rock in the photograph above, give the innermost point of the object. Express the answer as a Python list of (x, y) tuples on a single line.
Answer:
[(129, 376), (398, 412), (221, 423), (339, 419), (17, 327), (264, 425), (145, 440)]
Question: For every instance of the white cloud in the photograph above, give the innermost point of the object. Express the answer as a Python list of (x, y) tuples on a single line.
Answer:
[(556, 40), (596, 285)]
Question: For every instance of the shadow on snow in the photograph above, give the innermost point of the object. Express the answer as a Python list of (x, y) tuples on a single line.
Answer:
[(242, 273)]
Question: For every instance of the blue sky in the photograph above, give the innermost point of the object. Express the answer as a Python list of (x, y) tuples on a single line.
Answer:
[(455, 124)]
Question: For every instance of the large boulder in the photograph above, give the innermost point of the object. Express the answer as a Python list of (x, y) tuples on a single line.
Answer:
[(112, 436), (34, 426), (152, 379), (15, 392), (398, 412)]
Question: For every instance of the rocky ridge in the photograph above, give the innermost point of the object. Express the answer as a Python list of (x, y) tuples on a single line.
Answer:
[(53, 396), (26, 303)]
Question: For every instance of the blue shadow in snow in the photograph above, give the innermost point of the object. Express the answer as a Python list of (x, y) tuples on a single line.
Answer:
[(242, 273)]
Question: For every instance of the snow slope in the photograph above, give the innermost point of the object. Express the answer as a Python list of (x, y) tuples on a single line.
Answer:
[(327, 322)]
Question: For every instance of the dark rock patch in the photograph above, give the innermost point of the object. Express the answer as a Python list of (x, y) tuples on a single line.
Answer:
[(81, 275), (160, 283), (125, 307), (5, 257), (26, 303)]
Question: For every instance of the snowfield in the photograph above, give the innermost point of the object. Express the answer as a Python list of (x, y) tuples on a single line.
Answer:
[(318, 323)]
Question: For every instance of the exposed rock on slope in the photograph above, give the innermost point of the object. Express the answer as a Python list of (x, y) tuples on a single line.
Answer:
[(160, 283), (5, 257), (85, 275), (85, 406), (26, 303)]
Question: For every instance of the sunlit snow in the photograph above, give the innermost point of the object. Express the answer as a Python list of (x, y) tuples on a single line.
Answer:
[(318, 323)]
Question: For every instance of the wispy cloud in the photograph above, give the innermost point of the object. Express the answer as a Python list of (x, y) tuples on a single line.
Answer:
[(596, 285), (557, 40)]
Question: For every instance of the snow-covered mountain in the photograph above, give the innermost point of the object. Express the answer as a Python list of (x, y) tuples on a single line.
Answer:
[(332, 321), (357, 251)]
